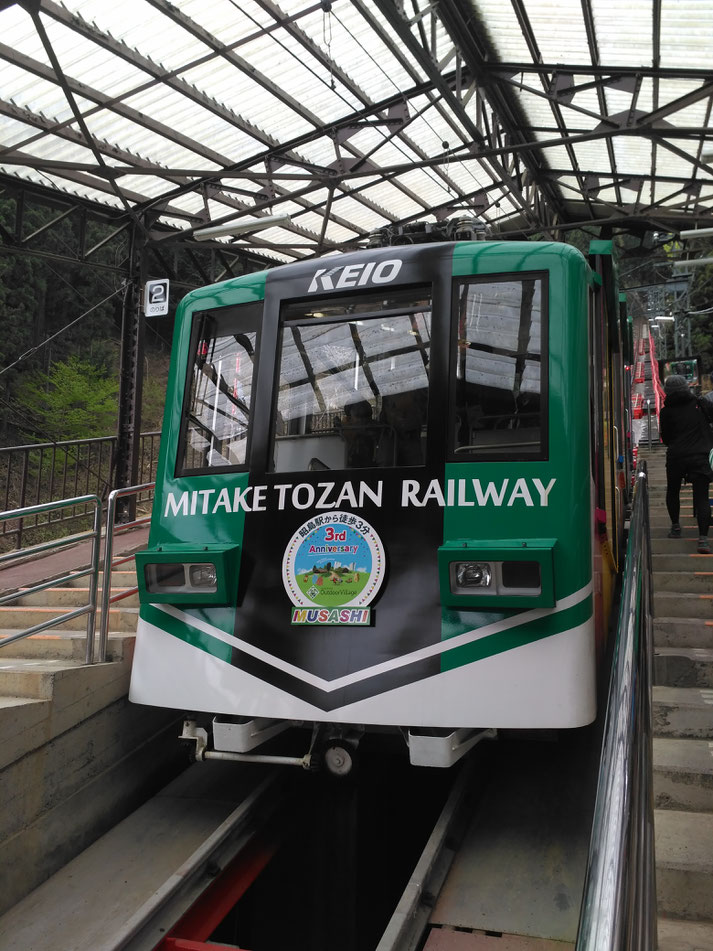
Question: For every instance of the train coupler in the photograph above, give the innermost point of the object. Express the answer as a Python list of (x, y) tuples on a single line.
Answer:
[(192, 733)]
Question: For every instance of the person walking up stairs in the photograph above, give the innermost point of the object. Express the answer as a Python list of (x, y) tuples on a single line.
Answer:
[(685, 424)]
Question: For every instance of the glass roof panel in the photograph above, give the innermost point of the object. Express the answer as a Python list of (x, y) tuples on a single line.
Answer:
[(624, 39), (570, 33), (195, 85), (691, 23), (499, 21)]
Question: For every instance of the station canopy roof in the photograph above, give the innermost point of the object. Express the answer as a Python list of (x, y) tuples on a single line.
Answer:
[(354, 116)]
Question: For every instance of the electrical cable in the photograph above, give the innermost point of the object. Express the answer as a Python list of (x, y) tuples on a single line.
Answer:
[(28, 353)]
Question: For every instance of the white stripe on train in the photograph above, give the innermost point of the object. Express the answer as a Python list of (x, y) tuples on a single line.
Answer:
[(424, 653)]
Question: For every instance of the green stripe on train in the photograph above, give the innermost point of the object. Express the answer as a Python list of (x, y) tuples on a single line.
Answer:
[(186, 632), (514, 637)]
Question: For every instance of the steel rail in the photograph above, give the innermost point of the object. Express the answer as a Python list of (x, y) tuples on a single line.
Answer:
[(237, 834), (405, 930)]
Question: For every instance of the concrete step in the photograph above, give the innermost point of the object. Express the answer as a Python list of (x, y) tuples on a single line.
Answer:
[(660, 527), (675, 935), (41, 699), (119, 579), (685, 582), (31, 784), (72, 597), (67, 682), (682, 632), (58, 644), (683, 774), (684, 864), (658, 516), (683, 712), (683, 666), (677, 561), (25, 725), (657, 491), (686, 545), (22, 618), (56, 799), (675, 604)]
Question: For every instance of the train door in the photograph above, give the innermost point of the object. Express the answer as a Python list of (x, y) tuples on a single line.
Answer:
[(607, 423), (338, 581)]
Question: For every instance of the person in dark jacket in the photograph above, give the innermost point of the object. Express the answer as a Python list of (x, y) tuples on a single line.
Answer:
[(684, 424)]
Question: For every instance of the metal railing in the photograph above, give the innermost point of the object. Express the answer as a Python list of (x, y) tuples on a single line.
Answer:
[(619, 905), (95, 652), (48, 472), (112, 530), (89, 502)]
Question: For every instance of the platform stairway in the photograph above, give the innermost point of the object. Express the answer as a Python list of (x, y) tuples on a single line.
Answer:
[(683, 721), (76, 756)]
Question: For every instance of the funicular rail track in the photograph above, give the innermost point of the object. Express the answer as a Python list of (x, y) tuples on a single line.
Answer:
[(334, 871), (376, 861), (226, 863), (331, 870), (187, 909)]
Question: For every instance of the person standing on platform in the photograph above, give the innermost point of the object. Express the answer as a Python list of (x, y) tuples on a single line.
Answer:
[(685, 427)]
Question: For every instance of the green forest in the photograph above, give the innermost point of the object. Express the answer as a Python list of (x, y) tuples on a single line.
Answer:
[(61, 332)]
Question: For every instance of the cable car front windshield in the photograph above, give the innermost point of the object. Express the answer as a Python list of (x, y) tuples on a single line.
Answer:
[(353, 382)]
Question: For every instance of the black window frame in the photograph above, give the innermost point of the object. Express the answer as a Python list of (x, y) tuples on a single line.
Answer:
[(222, 315), (501, 277), (427, 288)]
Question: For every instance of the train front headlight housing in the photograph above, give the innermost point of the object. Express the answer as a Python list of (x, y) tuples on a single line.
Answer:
[(497, 573), (473, 574), (521, 575), (181, 577), (167, 575), (178, 574), (203, 576)]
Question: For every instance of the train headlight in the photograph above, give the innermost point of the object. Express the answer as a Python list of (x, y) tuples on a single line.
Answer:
[(178, 574), (203, 576), (181, 577), (497, 573), (473, 574)]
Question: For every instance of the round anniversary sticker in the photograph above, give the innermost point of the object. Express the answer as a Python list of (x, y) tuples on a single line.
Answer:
[(333, 561)]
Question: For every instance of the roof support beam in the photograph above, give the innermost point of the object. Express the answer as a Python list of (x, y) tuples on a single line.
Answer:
[(396, 19)]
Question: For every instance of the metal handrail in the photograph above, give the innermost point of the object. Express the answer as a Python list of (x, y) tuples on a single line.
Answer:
[(112, 529), (90, 608), (619, 905), (34, 473)]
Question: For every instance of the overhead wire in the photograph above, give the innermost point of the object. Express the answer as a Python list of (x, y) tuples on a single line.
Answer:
[(429, 172), (32, 350)]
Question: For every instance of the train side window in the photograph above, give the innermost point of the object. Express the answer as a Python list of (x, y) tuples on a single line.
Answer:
[(499, 390), (353, 383), (216, 417)]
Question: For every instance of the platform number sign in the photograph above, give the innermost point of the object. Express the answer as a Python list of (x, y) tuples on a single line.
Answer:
[(156, 298)]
